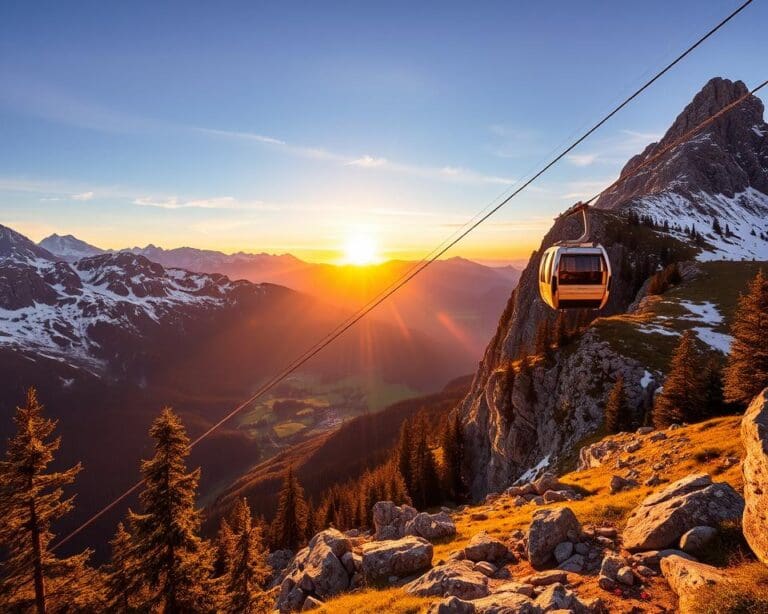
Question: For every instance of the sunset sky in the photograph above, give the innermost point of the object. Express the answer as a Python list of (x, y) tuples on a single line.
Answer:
[(298, 127)]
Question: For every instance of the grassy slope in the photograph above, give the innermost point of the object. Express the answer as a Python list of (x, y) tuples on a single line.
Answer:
[(702, 448)]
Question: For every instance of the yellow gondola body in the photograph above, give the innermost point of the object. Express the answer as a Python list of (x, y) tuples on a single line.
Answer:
[(575, 276)]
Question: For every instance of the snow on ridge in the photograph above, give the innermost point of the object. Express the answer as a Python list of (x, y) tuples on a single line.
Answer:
[(704, 312), (718, 341), (744, 213), (533, 472)]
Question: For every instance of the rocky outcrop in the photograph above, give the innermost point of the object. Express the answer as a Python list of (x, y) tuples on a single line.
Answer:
[(397, 558), (455, 578), (754, 435), (549, 528), (483, 547), (687, 578), (391, 521), (317, 570), (663, 517)]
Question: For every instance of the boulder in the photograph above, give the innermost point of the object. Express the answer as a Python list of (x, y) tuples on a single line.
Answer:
[(311, 603), (401, 557), (754, 436), (557, 597), (505, 602), (573, 564), (548, 528), (457, 578), (545, 578), (619, 483), (662, 518), (548, 481), (483, 547), (431, 526), (487, 569), (686, 578), (316, 569), (611, 565), (279, 560), (697, 539), (389, 520), (453, 605), (625, 576), (563, 551)]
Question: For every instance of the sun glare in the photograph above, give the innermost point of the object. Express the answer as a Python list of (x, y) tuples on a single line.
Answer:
[(360, 249)]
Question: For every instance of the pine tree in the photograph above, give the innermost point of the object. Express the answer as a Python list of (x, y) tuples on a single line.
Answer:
[(452, 444), (746, 373), (33, 578), (683, 397), (716, 228), (175, 562), (124, 589), (713, 388), (224, 541), (616, 410), (424, 469), (290, 524), (404, 454), (248, 568)]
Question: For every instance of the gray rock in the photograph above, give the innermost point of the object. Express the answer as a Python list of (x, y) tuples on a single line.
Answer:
[(486, 568), (545, 578), (644, 430), (389, 520), (582, 548), (548, 481), (696, 540), (754, 436), (687, 578), (662, 518), (606, 583), (483, 547), (645, 571), (574, 564), (625, 576), (557, 597), (458, 579), (619, 483), (563, 551), (311, 603), (431, 526), (403, 557), (548, 528), (453, 605), (611, 565)]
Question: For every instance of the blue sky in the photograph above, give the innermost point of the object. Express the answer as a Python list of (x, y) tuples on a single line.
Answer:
[(293, 126)]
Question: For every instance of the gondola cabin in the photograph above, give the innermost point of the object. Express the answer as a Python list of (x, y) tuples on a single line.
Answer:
[(575, 277)]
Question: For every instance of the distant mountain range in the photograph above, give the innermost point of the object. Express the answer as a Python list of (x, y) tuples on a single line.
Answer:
[(454, 299)]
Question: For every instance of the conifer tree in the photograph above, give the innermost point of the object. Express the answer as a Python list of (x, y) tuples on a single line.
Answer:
[(248, 568), (426, 482), (713, 388), (616, 409), (124, 588), (224, 540), (683, 397), (746, 373), (31, 500), (174, 561), (404, 453), (290, 524), (452, 444)]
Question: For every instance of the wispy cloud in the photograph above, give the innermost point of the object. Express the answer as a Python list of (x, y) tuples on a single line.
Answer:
[(581, 159), (368, 162), (221, 202), (579, 190), (82, 196)]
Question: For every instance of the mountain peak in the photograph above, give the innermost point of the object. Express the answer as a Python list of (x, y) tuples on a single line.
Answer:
[(14, 245)]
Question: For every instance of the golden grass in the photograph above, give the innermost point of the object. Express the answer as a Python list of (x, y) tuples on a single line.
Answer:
[(391, 600), (746, 592)]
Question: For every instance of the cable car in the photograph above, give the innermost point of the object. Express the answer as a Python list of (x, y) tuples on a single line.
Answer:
[(575, 274)]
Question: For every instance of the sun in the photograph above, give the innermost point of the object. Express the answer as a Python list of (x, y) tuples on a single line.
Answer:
[(361, 249)]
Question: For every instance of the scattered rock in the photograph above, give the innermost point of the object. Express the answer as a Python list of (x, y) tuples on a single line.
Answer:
[(279, 560), (316, 569), (644, 430), (548, 528), (483, 547), (546, 578), (478, 516), (610, 532), (389, 520), (661, 519), (458, 579), (625, 576), (574, 564), (453, 605), (486, 568), (697, 539), (581, 548), (402, 557), (633, 446), (548, 481), (754, 436), (431, 526), (556, 597), (686, 578), (658, 436), (611, 565), (563, 551), (596, 454), (645, 571), (654, 480), (619, 483), (606, 583)]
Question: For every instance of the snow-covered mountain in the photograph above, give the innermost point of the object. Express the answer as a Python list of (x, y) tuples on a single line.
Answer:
[(69, 248), (717, 182), (71, 310)]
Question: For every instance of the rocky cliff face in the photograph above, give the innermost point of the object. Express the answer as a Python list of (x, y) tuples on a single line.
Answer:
[(516, 421)]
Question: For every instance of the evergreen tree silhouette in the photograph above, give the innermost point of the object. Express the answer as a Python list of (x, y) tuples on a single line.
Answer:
[(290, 524), (124, 588), (452, 444), (746, 372), (248, 568), (176, 564), (31, 500), (683, 398), (616, 409)]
